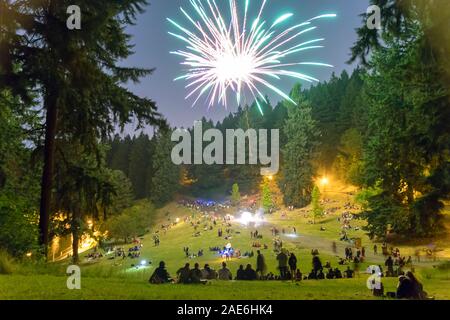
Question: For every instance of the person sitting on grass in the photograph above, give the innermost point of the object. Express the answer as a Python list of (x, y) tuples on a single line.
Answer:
[(330, 274), (320, 275), (225, 273), (240, 275), (160, 275), (348, 273), (184, 274), (378, 287), (298, 275), (417, 288), (250, 274), (208, 273), (337, 274), (312, 275), (196, 274), (404, 288)]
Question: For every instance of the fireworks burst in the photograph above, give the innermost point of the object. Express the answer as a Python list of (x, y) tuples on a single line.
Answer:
[(239, 56)]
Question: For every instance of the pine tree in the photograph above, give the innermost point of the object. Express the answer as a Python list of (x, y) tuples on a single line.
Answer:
[(235, 195), (50, 57), (139, 161), (166, 179), (407, 142), (266, 197), (317, 209), (298, 154)]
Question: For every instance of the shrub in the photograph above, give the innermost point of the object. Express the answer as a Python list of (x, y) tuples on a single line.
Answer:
[(6, 263)]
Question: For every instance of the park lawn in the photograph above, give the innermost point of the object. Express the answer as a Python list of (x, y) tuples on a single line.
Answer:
[(121, 279), (44, 287), (172, 243)]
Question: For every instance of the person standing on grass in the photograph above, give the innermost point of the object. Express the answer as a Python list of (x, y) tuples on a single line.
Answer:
[(390, 266), (261, 267), (334, 247), (282, 264), (292, 264)]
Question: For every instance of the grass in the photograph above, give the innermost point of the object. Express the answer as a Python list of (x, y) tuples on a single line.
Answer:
[(118, 279), (54, 288)]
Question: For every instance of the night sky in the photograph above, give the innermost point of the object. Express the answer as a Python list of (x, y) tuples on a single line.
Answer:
[(153, 43)]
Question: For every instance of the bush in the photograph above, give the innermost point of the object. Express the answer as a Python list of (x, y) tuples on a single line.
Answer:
[(18, 227), (132, 222), (6, 263)]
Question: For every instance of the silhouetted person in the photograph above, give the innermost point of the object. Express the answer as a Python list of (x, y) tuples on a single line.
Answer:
[(330, 274), (348, 273), (261, 267), (208, 273), (337, 273), (416, 287), (404, 288), (160, 275), (225, 273), (282, 264), (298, 275), (196, 274), (390, 266), (184, 274), (320, 275), (240, 275), (250, 274), (317, 264), (292, 263)]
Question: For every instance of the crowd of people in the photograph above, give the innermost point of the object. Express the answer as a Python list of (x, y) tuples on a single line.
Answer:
[(409, 287)]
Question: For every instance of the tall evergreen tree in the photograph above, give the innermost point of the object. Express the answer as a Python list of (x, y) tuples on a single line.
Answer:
[(75, 72), (408, 137), (298, 154), (166, 179)]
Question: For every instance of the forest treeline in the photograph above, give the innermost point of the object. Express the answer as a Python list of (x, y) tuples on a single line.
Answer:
[(385, 128)]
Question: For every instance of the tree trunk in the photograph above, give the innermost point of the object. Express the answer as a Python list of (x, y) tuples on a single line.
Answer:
[(75, 237), (47, 174)]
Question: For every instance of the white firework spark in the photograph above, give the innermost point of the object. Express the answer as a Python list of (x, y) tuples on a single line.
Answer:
[(238, 56)]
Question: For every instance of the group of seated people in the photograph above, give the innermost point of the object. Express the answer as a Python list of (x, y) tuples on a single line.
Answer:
[(94, 256), (408, 287), (331, 274), (187, 275)]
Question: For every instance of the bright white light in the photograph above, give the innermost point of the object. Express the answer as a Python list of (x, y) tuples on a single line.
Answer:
[(230, 68), (292, 235), (143, 263), (248, 218)]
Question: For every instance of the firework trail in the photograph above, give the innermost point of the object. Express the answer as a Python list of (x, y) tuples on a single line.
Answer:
[(239, 56)]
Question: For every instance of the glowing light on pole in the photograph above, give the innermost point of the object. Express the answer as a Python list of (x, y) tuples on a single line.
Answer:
[(240, 56)]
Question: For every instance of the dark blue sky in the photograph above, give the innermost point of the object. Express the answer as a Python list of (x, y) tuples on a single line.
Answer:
[(152, 46)]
